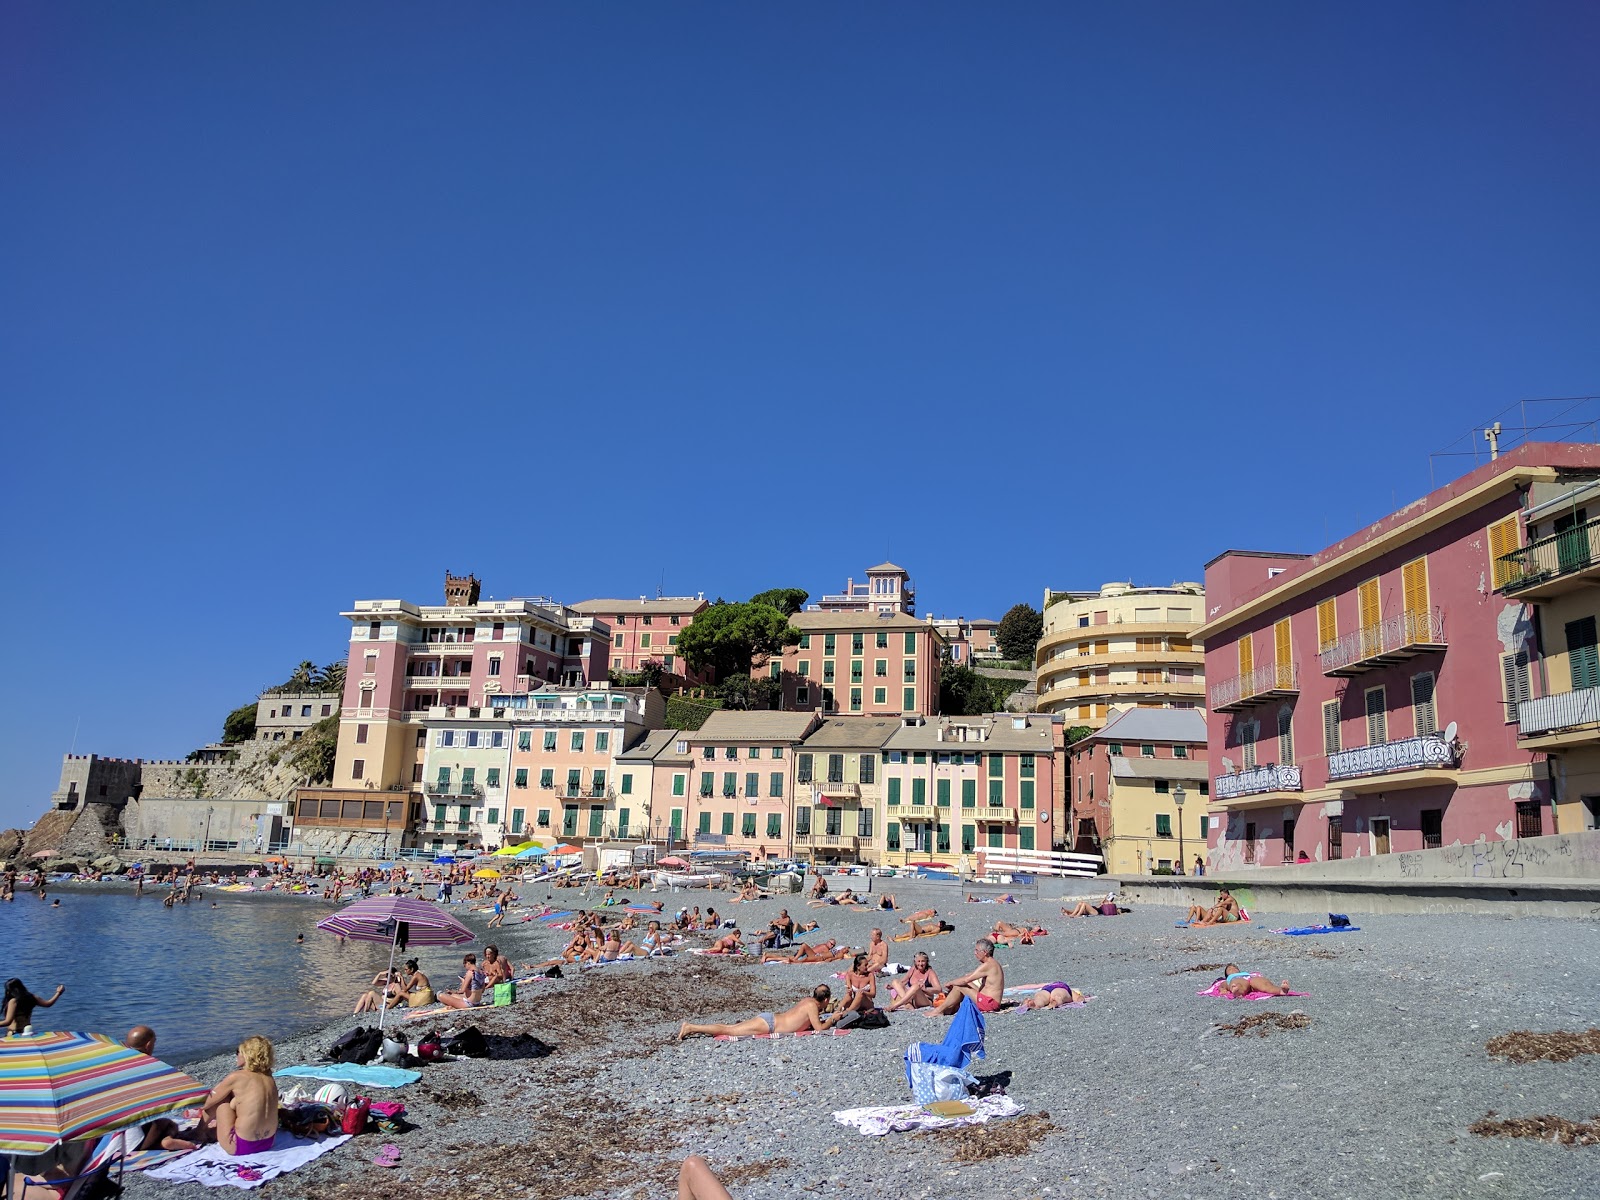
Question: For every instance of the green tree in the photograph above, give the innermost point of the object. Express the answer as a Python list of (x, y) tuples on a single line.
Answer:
[(330, 678), (734, 690), (788, 601), (1078, 732), (1019, 632), (314, 753), (726, 636), (240, 724), (766, 692), (965, 693)]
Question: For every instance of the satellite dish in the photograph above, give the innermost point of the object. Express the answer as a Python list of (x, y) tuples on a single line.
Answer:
[(1450, 732)]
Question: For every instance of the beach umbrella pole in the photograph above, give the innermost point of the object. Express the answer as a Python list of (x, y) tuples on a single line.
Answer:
[(383, 1005)]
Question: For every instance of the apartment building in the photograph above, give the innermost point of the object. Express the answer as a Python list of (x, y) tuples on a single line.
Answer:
[(953, 784), (887, 590), (285, 716), (838, 790), (646, 630), (1366, 699), (968, 642), (874, 664), (656, 774), (1122, 645), (744, 791), (406, 660), (1130, 780), (1552, 681)]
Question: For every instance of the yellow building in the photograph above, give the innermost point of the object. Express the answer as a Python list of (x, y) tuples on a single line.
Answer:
[(1124, 646), (1555, 698)]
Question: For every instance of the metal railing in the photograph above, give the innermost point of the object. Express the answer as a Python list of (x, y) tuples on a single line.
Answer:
[(1270, 778), (1270, 679), (463, 790), (1393, 634), (1407, 754), (1571, 550), (1563, 710)]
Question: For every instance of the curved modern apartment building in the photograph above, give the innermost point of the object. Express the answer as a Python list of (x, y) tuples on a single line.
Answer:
[(1121, 646)]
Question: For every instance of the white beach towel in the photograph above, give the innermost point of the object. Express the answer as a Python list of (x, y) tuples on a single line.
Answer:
[(896, 1118), (215, 1167)]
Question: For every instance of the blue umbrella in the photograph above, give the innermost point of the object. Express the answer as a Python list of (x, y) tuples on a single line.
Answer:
[(444, 858), (533, 852)]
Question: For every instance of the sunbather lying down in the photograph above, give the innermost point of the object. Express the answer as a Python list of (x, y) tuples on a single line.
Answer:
[(1106, 908), (1243, 983), (800, 952), (1054, 995), (923, 924), (805, 1015), (1004, 933)]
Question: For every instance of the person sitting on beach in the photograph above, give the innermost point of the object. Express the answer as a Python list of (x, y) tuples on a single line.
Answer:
[(861, 989), (243, 1108), (828, 951), (805, 1015), (1004, 933), (713, 918), (1224, 911), (877, 952), (918, 988), (779, 930), (748, 892), (17, 1017), (496, 967), (655, 941), (728, 943), (1242, 983), (819, 889), (472, 984), (1054, 995), (378, 993), (986, 984), (413, 987), (161, 1133), (887, 902)]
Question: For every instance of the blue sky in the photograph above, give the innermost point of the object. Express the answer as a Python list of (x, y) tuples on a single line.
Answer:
[(304, 303)]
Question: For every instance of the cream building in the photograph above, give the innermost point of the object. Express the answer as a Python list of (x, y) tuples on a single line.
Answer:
[(1122, 645)]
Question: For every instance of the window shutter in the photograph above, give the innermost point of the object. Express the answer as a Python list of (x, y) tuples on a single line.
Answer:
[(1502, 541), (1514, 670), (1422, 704), (1247, 657), (1377, 717), (1249, 731), (1582, 654), (1283, 653), (1414, 583), (1327, 624), (1286, 737), (1368, 602), (1330, 727)]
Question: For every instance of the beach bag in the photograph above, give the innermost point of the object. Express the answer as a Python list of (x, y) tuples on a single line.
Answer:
[(358, 1046), (1338, 920), (355, 1117), (469, 1043), (505, 993), (931, 1083), (873, 1018), (554, 972)]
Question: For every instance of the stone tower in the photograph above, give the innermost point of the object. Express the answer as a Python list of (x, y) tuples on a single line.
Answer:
[(460, 591)]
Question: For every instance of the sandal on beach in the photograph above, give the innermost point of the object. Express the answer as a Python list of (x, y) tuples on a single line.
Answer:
[(388, 1156)]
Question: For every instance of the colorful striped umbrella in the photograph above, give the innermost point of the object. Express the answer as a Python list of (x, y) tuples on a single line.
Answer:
[(384, 918), (62, 1087)]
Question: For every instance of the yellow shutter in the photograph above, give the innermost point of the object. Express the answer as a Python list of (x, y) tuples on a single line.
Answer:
[(1247, 657), (1368, 605), (1283, 653), (1414, 581), (1327, 624), (1502, 541)]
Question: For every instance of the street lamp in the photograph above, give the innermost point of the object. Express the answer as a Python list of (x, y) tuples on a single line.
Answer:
[(1177, 798)]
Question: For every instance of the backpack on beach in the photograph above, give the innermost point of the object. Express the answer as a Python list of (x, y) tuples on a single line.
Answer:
[(358, 1046), (468, 1043)]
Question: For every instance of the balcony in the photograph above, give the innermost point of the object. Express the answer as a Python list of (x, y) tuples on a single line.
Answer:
[(838, 791), (1271, 682), (1428, 753), (1564, 719), (991, 814), (1393, 640), (1111, 692), (1552, 566), (1256, 781), (816, 837), (464, 791)]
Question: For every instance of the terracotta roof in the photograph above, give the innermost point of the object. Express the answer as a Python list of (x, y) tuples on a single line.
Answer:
[(667, 604), (726, 725)]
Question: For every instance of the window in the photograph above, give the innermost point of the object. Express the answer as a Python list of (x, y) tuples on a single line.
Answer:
[(472, 737), (855, 699), (1026, 787), (996, 837), (827, 643), (327, 710), (1369, 615), (627, 783), (1247, 655), (1583, 655), (524, 739), (492, 777), (520, 779), (1432, 822), (909, 699), (1502, 541), (1025, 838), (774, 825), (942, 793), (516, 820), (672, 640), (919, 758), (880, 696), (305, 710), (1335, 837), (1327, 625), (997, 793), (777, 752), (1288, 839), (547, 777), (544, 818), (369, 664), (880, 668), (805, 641), (361, 735), (747, 825), (827, 670), (911, 642), (775, 785), (358, 769), (802, 768), (775, 669), (752, 784), (493, 817), (943, 842), (577, 740), (644, 641), (1514, 680), (574, 781), (919, 791), (1330, 727), (727, 824), (802, 695), (882, 640), (1180, 752), (802, 820), (1162, 787), (497, 738), (969, 838), (1205, 826), (855, 643), (705, 822), (550, 739), (708, 783), (679, 781), (805, 668), (1286, 736), (1116, 748), (494, 666), (910, 671), (617, 641), (969, 793), (1422, 708), (1377, 717), (730, 783), (894, 793), (602, 742), (892, 829), (1026, 767), (869, 768)]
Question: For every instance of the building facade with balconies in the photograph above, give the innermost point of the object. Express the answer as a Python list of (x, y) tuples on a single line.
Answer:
[(653, 778), (1365, 699), (968, 642), (872, 664), (1121, 646), (888, 589), (285, 716), (646, 630), (1130, 780), (1552, 562), (954, 784), (743, 791), (838, 790)]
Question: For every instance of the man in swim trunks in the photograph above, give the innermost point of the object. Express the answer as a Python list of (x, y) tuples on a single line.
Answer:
[(244, 1106), (779, 929), (986, 984), (877, 952), (805, 1015)]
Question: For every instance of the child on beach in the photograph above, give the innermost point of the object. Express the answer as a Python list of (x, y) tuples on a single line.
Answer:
[(242, 1110)]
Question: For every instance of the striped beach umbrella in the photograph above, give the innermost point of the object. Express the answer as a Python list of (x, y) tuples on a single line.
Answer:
[(387, 918), (63, 1087)]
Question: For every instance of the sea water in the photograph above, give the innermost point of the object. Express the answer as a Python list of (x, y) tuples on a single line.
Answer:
[(203, 978)]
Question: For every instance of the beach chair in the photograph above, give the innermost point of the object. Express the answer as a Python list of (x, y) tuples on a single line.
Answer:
[(86, 1164)]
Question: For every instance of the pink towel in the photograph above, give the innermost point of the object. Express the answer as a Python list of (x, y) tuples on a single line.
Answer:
[(1214, 990)]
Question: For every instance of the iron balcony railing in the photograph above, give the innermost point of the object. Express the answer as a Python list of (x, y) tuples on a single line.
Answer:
[(1571, 550), (464, 790), (1407, 754), (1256, 780), (1274, 679), (1392, 639), (1564, 710)]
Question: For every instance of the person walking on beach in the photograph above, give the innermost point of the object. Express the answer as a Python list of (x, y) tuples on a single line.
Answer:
[(805, 1015), (986, 984)]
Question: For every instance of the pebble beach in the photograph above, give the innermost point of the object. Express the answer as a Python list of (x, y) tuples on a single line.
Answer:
[(1367, 1086)]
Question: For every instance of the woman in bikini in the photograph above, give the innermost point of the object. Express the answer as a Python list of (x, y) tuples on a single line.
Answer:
[(861, 987), (828, 951), (1238, 983), (920, 985), (1004, 933), (244, 1107), (1054, 995), (472, 984)]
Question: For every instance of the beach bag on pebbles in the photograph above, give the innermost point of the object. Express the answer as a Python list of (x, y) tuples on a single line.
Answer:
[(931, 1083), (358, 1046), (469, 1043)]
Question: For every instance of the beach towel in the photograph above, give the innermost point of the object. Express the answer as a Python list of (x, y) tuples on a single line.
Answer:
[(375, 1076), (1214, 990), (768, 1037), (1308, 930), (1243, 917), (215, 1167), (875, 1121)]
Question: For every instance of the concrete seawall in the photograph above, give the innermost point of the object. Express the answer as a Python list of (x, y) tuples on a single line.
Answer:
[(1507, 898)]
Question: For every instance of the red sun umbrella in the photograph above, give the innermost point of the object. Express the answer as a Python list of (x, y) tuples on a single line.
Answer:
[(671, 861), (931, 866), (566, 849)]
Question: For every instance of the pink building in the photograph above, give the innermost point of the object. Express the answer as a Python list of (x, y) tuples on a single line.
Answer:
[(646, 630), (862, 663), (968, 641), (1364, 698), (887, 589), (744, 781)]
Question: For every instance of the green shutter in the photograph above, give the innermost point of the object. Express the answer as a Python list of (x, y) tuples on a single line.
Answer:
[(1025, 838), (705, 822), (997, 766), (942, 791), (1583, 654), (909, 699), (969, 793), (969, 838), (1027, 793), (627, 783), (774, 825), (894, 835), (894, 792), (997, 790), (919, 791), (727, 824)]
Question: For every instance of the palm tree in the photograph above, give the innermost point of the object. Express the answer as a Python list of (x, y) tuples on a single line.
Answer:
[(330, 678), (301, 680)]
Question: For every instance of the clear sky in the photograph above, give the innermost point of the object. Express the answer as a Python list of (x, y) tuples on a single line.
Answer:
[(307, 302)]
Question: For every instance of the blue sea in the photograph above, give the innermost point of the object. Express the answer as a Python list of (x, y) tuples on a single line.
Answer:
[(203, 978)]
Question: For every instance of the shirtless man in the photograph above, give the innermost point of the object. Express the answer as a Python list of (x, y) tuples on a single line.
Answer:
[(924, 923), (779, 929), (805, 1015), (877, 952), (822, 952), (986, 984), (245, 1104)]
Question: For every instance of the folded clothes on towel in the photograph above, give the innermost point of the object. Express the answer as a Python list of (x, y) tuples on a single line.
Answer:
[(877, 1120)]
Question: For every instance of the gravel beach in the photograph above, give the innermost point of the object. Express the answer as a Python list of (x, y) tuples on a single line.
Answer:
[(1370, 1095)]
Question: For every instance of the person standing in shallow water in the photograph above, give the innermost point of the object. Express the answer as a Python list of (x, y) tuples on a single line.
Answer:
[(17, 1015)]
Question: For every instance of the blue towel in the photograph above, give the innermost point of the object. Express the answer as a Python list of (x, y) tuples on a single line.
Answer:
[(384, 1077), (1306, 930), (962, 1044)]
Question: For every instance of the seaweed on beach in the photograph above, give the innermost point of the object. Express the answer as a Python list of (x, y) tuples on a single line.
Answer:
[(1545, 1128), (1198, 967), (1264, 1023), (1525, 1046), (993, 1139)]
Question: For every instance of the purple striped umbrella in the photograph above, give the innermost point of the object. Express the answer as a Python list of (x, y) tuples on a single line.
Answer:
[(385, 918)]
